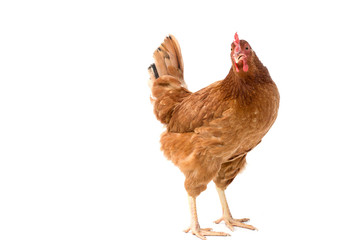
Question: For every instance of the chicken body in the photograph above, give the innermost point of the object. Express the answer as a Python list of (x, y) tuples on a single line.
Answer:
[(209, 132)]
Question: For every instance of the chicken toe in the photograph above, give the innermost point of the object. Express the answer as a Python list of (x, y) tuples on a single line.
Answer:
[(202, 232), (231, 223)]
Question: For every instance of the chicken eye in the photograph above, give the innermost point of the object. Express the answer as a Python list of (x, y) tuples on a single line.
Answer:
[(246, 48)]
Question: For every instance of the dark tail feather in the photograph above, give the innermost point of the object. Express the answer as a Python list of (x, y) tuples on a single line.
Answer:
[(167, 84), (155, 72)]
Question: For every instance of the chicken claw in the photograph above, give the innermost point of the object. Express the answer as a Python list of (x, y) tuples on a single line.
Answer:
[(202, 232), (230, 223)]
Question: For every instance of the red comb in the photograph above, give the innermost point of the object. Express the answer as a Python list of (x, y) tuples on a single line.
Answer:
[(236, 38), (237, 42)]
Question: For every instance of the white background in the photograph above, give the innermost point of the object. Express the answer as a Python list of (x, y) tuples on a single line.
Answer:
[(79, 151)]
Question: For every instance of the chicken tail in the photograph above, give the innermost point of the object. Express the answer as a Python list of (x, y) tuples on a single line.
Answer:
[(167, 84)]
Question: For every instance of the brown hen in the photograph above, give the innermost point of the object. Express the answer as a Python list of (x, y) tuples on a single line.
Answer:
[(209, 132)]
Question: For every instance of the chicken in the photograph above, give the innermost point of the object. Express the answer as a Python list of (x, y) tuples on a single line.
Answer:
[(209, 132)]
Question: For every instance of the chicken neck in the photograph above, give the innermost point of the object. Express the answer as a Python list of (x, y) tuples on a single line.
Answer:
[(238, 86)]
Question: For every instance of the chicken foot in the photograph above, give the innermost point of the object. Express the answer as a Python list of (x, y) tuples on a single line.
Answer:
[(230, 222), (195, 227)]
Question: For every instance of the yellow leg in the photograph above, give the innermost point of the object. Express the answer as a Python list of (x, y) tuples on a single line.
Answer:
[(194, 225), (230, 222)]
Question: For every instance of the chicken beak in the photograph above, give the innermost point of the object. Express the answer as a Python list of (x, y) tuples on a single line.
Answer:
[(241, 57), (238, 57)]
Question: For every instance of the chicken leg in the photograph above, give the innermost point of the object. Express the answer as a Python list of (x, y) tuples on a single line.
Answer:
[(195, 227), (230, 222)]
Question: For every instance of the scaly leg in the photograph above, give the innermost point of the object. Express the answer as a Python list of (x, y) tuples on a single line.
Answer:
[(227, 218), (195, 227)]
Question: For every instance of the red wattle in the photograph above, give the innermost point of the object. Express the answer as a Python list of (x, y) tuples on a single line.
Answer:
[(245, 67), (237, 69)]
